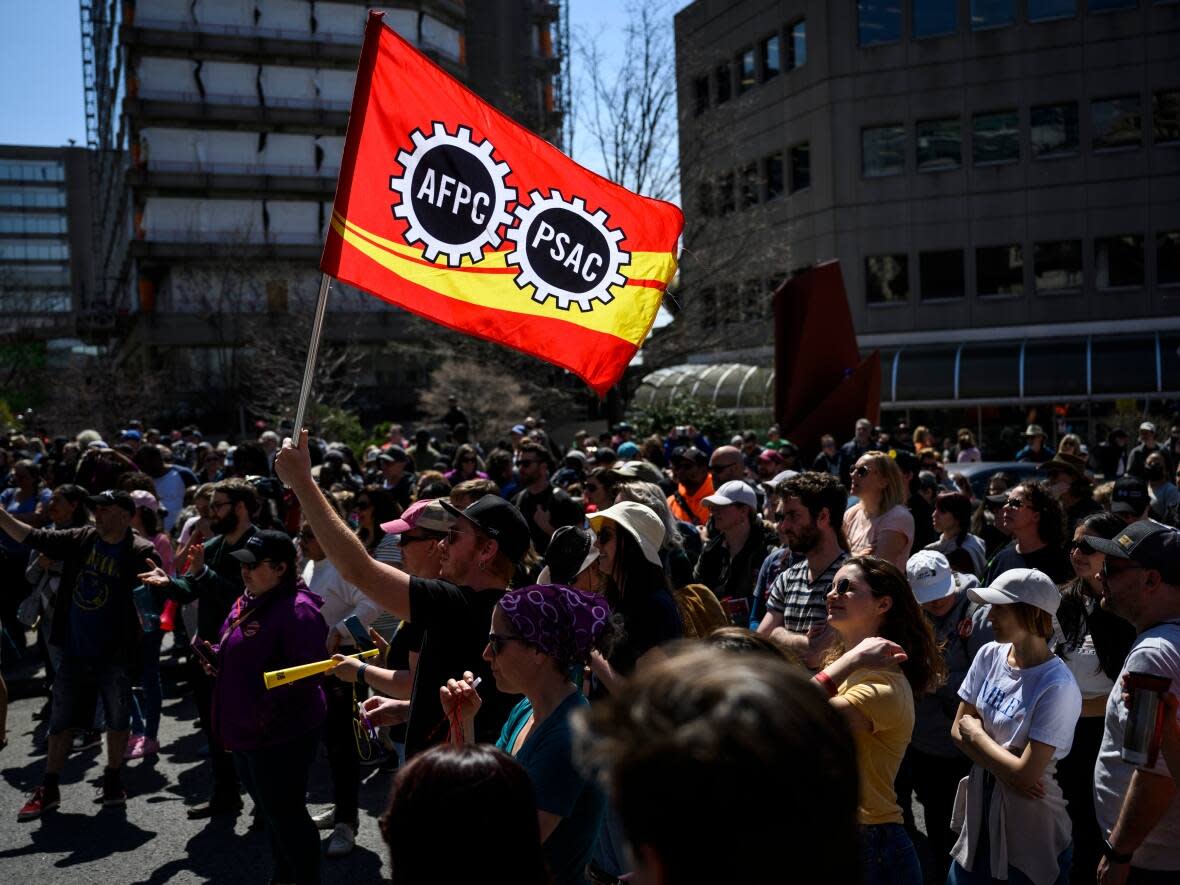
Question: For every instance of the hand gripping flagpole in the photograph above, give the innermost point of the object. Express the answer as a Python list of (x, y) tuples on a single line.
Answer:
[(313, 352)]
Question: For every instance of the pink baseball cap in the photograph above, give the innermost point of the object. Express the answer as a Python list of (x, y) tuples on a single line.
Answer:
[(427, 514), (145, 499)]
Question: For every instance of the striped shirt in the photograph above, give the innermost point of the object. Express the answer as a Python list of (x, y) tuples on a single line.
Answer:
[(801, 601)]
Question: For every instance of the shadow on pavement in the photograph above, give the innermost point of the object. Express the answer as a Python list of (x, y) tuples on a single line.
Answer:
[(108, 832)]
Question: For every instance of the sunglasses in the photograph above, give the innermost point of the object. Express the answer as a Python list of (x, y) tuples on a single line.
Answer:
[(250, 566), (1013, 503), (1083, 547), (453, 535), (862, 470), (407, 540), (841, 587), (1124, 565), (496, 642), (606, 536)]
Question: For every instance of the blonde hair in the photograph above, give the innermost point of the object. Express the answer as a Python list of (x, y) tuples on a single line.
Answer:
[(895, 491)]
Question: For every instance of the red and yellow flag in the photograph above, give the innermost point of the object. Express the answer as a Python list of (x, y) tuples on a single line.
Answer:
[(450, 209)]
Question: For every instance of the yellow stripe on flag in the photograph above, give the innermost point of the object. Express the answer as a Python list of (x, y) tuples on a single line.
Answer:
[(497, 291)]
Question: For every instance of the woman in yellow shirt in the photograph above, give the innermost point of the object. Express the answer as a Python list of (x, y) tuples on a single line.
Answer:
[(891, 657)]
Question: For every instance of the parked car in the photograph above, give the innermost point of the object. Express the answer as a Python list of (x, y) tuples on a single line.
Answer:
[(979, 472)]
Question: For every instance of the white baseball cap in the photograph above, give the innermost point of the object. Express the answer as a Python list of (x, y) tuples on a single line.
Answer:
[(733, 492), (638, 521), (1025, 585), (772, 484), (930, 576)]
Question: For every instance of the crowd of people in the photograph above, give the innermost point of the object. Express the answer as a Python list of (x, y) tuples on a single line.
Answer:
[(643, 658)]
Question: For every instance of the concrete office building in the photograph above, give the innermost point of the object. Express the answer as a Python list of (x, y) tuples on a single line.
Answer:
[(999, 180), (222, 124), (45, 257)]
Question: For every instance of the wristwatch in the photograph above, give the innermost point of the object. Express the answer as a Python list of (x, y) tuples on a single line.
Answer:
[(360, 677), (1114, 856)]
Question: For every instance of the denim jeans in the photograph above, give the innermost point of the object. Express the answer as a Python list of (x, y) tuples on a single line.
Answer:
[(888, 856), (145, 707), (276, 779), (982, 875)]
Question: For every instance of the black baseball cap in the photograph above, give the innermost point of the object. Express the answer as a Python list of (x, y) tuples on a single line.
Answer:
[(1129, 496), (267, 544), (113, 498), (500, 521), (689, 453), (571, 550), (394, 453), (1148, 543)]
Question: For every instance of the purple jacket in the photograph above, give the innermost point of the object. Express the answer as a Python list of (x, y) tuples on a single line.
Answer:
[(274, 631)]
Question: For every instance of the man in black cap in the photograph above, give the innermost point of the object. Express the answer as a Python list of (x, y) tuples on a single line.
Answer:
[(1137, 806), (1130, 499), (214, 580), (398, 472), (96, 628), (479, 556), (690, 469)]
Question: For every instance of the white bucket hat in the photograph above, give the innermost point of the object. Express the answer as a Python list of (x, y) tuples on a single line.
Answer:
[(637, 520)]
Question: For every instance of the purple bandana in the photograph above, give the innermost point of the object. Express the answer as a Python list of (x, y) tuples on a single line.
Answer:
[(561, 621)]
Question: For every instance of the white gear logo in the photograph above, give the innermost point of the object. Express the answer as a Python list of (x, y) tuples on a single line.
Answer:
[(457, 206), (565, 252)]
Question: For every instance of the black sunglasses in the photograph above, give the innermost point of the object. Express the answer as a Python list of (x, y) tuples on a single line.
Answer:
[(862, 470), (496, 643), (605, 536), (1083, 547), (250, 566), (407, 540), (1013, 503), (841, 587)]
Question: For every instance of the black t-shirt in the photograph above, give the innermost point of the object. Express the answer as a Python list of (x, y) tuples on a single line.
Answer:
[(455, 622), (1053, 561), (649, 619)]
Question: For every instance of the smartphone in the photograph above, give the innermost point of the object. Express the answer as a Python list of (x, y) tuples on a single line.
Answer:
[(205, 651), (738, 610), (360, 636)]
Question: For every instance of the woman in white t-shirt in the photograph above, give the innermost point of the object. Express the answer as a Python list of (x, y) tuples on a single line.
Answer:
[(879, 524), (1093, 642), (1019, 705)]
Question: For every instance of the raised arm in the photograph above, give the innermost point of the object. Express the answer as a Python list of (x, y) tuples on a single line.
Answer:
[(13, 527), (385, 585)]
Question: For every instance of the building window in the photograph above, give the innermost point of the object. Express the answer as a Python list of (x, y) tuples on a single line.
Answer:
[(749, 182), (887, 278), (724, 87), (1117, 123), (32, 170), (1167, 258), (1118, 262), (1047, 10), (771, 59), (700, 90), (1165, 117), (996, 138), (999, 270), (941, 274), (878, 21), (986, 14), (1057, 266), (33, 250), (705, 198), (935, 18), (1054, 130), (747, 75), (32, 224), (939, 145), (32, 197), (773, 166), (798, 32), (882, 151), (1110, 5), (725, 201), (800, 166)]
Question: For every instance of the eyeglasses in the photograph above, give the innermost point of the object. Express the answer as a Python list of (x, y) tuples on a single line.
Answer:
[(1124, 565), (1083, 547), (453, 535), (496, 643), (250, 566), (1013, 503), (862, 470), (220, 505)]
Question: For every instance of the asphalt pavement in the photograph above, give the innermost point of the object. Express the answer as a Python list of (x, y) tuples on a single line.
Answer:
[(151, 841)]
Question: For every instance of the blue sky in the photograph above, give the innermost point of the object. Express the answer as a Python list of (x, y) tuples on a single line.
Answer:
[(41, 65)]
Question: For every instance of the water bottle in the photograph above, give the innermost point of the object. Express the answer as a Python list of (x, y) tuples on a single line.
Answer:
[(145, 607)]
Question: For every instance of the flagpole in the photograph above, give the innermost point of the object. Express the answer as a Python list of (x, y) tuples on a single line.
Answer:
[(313, 350)]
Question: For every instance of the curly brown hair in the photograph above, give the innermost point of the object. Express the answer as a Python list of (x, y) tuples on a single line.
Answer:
[(904, 623)]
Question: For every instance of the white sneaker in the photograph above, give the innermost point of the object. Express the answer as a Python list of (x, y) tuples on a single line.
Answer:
[(343, 838), (325, 820)]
